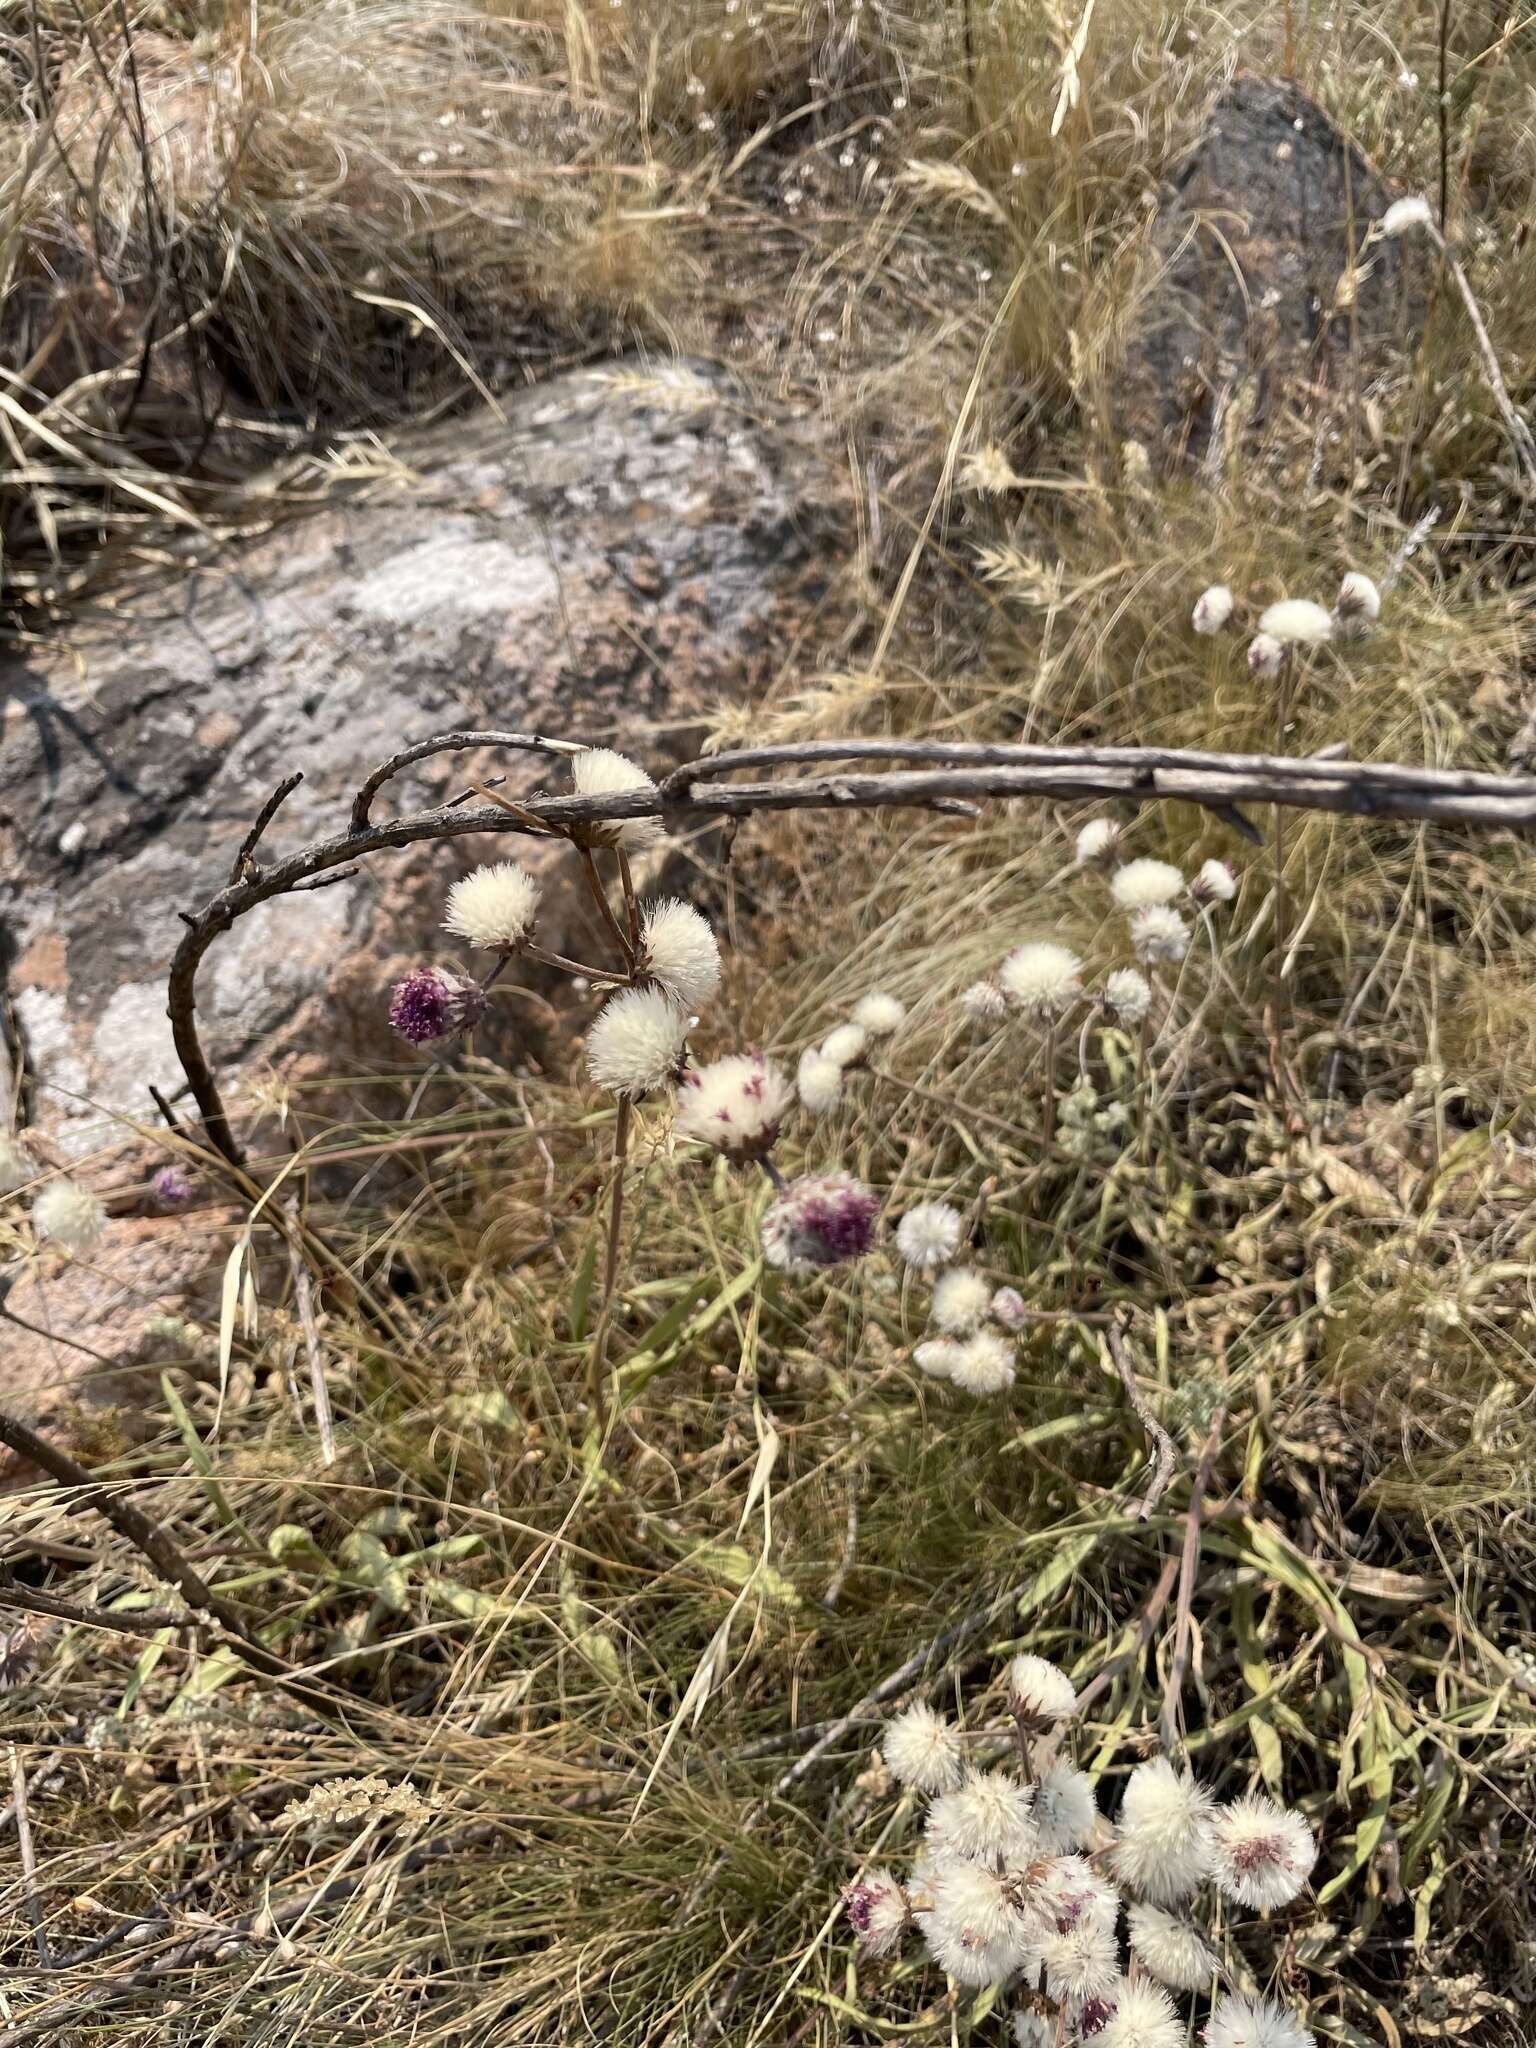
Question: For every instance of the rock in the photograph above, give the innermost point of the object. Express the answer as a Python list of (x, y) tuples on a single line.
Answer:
[(1264, 219), (627, 549)]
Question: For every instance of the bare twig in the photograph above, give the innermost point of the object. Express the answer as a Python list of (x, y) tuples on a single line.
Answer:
[(28, 1855), (1166, 1458), (449, 743), (243, 862), (144, 1621), (1216, 781)]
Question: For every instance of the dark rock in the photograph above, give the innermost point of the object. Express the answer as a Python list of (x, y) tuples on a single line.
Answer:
[(1264, 219)]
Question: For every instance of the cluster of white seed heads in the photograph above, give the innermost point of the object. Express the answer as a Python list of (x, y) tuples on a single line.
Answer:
[(1021, 1882), (1292, 622)]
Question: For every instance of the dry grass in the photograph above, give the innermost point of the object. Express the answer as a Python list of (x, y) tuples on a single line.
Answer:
[(1329, 1233)]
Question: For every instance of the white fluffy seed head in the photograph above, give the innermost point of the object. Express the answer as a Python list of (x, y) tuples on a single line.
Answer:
[(1081, 1961), (845, 1046), (1266, 654), (961, 1299), (983, 1364), (637, 1042), (929, 1235), (1098, 838), (971, 1899), (68, 1215), (879, 1014), (17, 1166), (988, 1816), (1041, 978), (1161, 1852), (1142, 882), (1128, 994), (1144, 2017), (1296, 622), (1032, 2030), (877, 1912), (1404, 214), (984, 1003), (1066, 1812), (819, 1081), (1159, 933), (876, 1907), (1261, 1853), (735, 1104), (1357, 606), (599, 771), (1254, 2023), (922, 1750), (936, 1357), (1010, 1309), (494, 907), (1213, 608), (678, 949), (1173, 1951), (1215, 883), (1039, 1692)]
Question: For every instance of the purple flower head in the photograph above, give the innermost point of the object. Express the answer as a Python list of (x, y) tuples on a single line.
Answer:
[(172, 1187), (1093, 2016), (822, 1219), (433, 1003), (859, 1904)]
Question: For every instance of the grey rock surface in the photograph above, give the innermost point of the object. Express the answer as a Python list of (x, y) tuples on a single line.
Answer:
[(627, 549), (1265, 217)]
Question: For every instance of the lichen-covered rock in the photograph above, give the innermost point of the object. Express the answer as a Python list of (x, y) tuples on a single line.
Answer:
[(627, 549), (1258, 303)]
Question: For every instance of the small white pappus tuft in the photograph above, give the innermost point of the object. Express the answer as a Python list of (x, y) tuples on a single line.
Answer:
[(68, 1215), (936, 1357), (1143, 882), (17, 1166), (989, 1815), (1128, 994), (1041, 979), (1039, 1693), (735, 1104), (879, 1014), (1098, 838), (819, 1081), (982, 1364), (1254, 2023), (599, 771), (678, 949), (1357, 606), (494, 907), (961, 1300), (1215, 883), (1159, 933), (1403, 214), (1213, 609), (1066, 1812), (984, 1003), (1297, 621), (1266, 654), (929, 1235), (922, 1750), (1261, 1853), (1162, 1853), (637, 1042), (1176, 1953), (845, 1046), (1144, 2017)]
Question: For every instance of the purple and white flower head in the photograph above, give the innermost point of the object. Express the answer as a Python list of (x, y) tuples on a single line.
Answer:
[(638, 1043), (877, 1912), (1266, 655), (434, 1002), (984, 1003), (494, 907), (735, 1104), (1009, 1309), (1215, 883), (1213, 609), (1261, 1854), (820, 1220), (172, 1186)]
